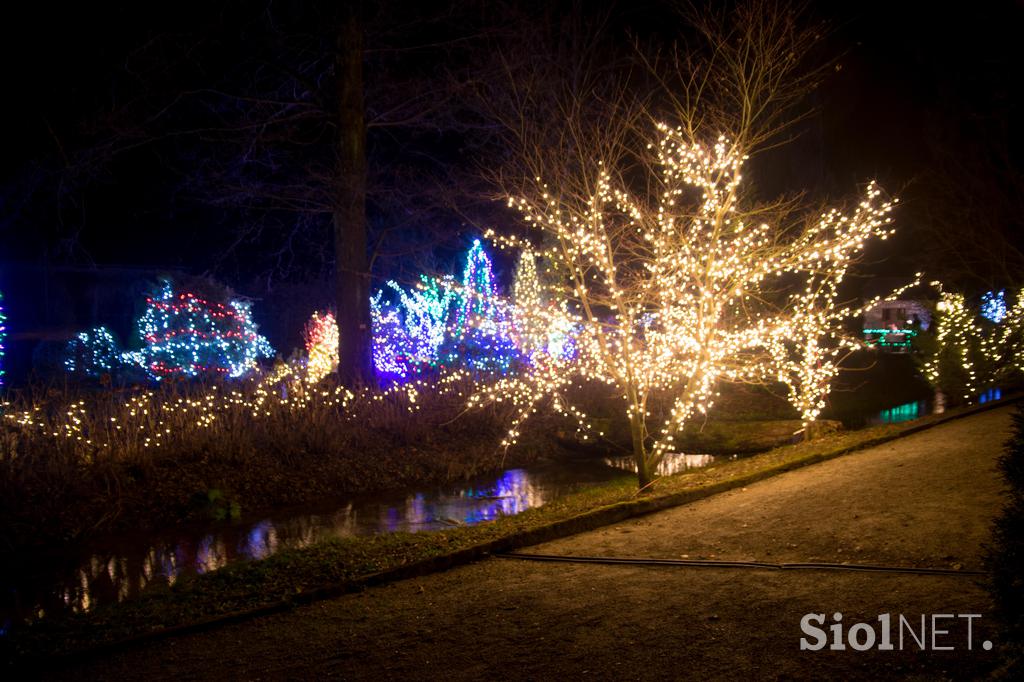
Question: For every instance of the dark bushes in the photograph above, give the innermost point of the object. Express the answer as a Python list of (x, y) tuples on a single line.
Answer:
[(1005, 557)]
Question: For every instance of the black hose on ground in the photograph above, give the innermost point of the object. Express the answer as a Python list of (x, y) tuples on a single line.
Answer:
[(712, 563)]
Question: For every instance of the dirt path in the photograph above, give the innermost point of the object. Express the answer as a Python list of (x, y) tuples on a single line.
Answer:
[(925, 500)]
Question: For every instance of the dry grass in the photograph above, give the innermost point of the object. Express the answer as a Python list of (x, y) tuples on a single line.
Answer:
[(75, 462)]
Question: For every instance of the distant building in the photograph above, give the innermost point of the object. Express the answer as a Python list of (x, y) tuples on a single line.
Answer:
[(891, 325)]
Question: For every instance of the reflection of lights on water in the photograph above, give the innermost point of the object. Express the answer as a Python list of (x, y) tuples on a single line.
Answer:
[(902, 413), (392, 521), (919, 408), (673, 463), (511, 494), (261, 541), (85, 601), (124, 581), (108, 577), (169, 562), (212, 554), (416, 510)]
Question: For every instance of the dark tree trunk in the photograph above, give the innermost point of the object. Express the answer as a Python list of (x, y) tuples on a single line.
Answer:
[(644, 473), (352, 277)]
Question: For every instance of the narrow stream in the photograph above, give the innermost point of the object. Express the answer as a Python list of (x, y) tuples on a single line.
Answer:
[(115, 569)]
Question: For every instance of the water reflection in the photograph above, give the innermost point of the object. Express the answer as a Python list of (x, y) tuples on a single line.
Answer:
[(673, 463), (921, 408), (903, 413), (118, 570)]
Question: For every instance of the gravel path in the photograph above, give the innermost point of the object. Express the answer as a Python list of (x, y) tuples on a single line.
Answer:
[(926, 500)]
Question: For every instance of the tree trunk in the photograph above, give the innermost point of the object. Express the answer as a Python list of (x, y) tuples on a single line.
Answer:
[(352, 277), (644, 475)]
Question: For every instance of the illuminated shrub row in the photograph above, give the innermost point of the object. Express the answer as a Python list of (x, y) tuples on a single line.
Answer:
[(181, 335), (976, 349), (438, 323)]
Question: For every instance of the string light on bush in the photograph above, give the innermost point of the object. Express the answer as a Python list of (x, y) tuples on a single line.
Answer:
[(952, 366), (155, 419), (993, 306), (185, 335), (93, 353), (481, 336), (971, 356), (1009, 338), (321, 336), (392, 350), (425, 311)]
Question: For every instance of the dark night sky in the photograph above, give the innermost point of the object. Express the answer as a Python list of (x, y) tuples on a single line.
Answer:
[(910, 70), (914, 76)]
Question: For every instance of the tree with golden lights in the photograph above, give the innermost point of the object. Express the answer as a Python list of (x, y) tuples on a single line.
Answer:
[(322, 341), (678, 279), (806, 355), (973, 354)]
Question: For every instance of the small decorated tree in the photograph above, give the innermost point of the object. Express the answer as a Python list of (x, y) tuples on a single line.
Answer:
[(952, 368), (93, 353), (186, 335), (527, 301), (806, 356), (392, 349), (481, 335), (321, 336)]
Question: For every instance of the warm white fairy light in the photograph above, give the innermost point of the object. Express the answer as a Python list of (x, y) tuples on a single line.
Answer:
[(806, 355), (528, 301), (1008, 349), (955, 334), (160, 419), (971, 356), (321, 336), (667, 294)]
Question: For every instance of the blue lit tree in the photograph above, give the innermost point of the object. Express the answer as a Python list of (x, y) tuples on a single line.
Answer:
[(482, 333), (93, 353), (188, 336), (392, 348)]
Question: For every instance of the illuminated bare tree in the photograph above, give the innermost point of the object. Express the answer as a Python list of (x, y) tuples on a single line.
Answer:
[(807, 355), (674, 271)]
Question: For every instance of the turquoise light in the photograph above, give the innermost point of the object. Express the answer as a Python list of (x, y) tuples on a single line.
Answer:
[(901, 413)]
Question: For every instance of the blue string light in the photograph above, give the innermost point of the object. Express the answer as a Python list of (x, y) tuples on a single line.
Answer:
[(481, 338), (993, 306), (93, 353), (3, 336), (441, 324), (184, 335)]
